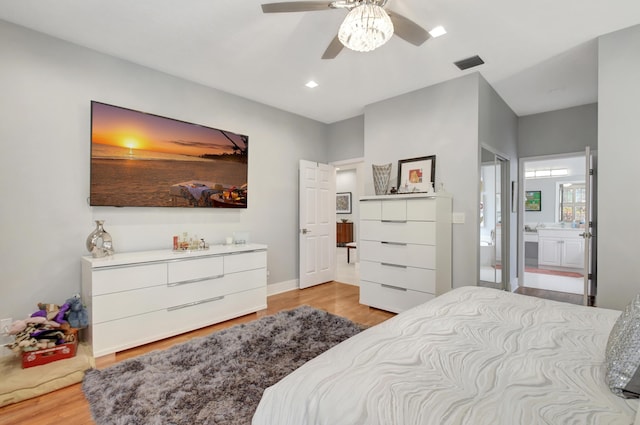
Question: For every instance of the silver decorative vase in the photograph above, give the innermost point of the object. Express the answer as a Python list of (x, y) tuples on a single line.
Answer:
[(381, 177), (99, 242)]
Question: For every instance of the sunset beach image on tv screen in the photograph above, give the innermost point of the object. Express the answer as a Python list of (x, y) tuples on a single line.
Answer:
[(145, 160)]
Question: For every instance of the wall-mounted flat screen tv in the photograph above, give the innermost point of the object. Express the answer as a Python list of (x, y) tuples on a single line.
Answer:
[(144, 160)]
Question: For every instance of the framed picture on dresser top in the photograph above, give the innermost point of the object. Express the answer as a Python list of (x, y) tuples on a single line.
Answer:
[(416, 174)]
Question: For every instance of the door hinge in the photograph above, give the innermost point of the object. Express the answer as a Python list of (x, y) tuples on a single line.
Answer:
[(590, 276), (591, 171)]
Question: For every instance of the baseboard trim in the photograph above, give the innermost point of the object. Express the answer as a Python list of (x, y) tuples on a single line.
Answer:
[(280, 287)]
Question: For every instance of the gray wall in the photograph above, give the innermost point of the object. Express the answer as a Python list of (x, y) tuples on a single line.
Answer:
[(439, 120), (618, 153), (564, 131), (498, 130), (46, 87), (346, 139)]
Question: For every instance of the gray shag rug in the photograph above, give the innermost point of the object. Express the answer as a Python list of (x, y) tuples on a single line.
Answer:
[(217, 379)]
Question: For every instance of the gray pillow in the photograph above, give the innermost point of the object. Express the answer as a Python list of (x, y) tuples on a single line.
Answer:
[(622, 356)]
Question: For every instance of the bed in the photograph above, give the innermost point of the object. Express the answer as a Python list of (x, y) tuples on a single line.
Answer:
[(471, 356)]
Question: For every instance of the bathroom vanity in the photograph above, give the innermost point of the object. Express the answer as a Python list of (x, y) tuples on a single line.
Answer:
[(561, 247)]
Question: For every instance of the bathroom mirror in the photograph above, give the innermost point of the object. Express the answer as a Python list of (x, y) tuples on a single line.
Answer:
[(494, 198)]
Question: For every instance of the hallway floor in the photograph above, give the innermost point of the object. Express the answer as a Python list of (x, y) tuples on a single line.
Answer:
[(347, 272), (554, 282)]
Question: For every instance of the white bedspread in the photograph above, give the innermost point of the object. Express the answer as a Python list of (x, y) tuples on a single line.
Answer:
[(472, 356)]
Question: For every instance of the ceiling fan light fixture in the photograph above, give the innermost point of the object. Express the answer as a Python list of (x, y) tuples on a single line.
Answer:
[(365, 28)]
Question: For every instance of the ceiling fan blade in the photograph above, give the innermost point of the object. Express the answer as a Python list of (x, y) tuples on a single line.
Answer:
[(408, 30), (295, 6), (334, 48)]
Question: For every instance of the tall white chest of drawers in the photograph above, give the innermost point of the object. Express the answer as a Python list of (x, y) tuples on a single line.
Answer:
[(405, 249), (139, 297)]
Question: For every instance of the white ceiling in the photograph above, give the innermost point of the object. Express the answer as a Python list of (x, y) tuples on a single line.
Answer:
[(539, 55)]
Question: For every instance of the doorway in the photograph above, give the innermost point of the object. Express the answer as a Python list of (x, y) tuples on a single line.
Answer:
[(349, 187), (554, 236), (494, 220)]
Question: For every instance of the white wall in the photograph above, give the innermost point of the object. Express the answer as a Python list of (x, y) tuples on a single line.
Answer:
[(439, 120), (347, 181), (46, 86), (618, 174)]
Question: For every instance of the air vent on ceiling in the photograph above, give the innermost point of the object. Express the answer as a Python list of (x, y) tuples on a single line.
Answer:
[(469, 62)]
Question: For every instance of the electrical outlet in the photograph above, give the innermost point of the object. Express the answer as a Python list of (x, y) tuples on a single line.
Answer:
[(5, 324)]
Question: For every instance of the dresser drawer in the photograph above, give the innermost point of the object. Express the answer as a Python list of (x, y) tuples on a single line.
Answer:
[(399, 209), (117, 279), (130, 332), (370, 210), (423, 280), (245, 261), (418, 232), (199, 268), (131, 303), (394, 210), (391, 298), (401, 254), (421, 209)]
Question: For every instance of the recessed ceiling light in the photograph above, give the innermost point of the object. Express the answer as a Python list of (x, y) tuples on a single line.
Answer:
[(312, 84), (437, 31)]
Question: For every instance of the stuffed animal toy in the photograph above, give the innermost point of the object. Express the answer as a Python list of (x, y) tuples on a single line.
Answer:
[(48, 311), (77, 314), (52, 312), (17, 326)]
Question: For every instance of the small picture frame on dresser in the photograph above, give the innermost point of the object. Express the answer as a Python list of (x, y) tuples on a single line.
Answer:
[(417, 174), (343, 203)]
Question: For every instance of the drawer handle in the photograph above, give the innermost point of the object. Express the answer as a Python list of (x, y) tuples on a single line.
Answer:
[(181, 306), (397, 288), (400, 266), (394, 221), (200, 279), (394, 243)]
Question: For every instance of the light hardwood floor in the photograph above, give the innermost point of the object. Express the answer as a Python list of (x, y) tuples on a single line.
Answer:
[(69, 407)]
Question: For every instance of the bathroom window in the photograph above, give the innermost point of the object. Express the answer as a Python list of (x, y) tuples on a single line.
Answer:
[(572, 202)]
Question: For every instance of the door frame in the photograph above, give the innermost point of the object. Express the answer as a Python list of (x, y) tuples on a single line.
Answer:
[(505, 200), (521, 212), (356, 164)]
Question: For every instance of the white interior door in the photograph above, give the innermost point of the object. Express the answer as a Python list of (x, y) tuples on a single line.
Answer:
[(317, 218)]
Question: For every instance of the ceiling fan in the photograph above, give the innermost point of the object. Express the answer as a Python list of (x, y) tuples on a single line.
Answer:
[(395, 23)]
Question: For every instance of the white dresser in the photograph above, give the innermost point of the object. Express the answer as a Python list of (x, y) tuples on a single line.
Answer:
[(405, 249), (139, 297)]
